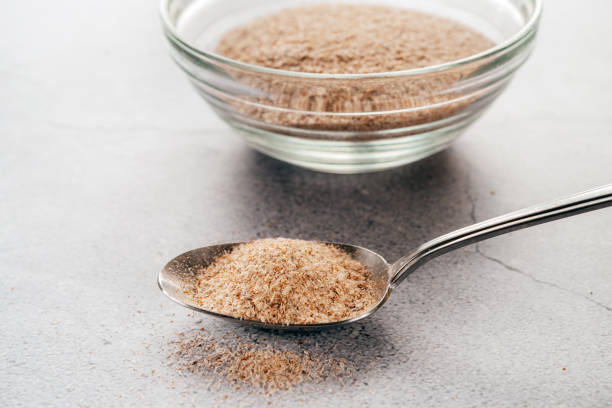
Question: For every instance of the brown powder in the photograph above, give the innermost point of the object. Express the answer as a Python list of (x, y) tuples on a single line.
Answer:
[(265, 368), (286, 281), (351, 39)]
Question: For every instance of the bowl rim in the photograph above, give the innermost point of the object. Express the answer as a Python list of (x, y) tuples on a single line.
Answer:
[(497, 50)]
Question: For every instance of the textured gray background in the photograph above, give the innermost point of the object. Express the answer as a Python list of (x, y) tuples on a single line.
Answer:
[(110, 165)]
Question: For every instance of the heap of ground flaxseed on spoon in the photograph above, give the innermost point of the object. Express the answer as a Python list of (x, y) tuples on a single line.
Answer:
[(286, 281)]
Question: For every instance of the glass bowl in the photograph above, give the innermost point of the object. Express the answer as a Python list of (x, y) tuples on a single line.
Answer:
[(287, 114)]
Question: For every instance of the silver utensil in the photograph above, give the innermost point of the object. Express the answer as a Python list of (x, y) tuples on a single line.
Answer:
[(178, 278)]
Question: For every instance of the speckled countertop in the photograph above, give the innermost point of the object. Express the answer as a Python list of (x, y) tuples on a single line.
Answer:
[(110, 165)]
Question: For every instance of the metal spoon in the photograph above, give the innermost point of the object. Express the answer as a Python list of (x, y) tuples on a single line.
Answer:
[(178, 277)]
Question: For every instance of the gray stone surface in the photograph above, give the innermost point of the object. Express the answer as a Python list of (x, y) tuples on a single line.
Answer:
[(110, 165)]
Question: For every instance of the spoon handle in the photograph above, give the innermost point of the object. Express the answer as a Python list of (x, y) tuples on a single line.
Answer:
[(538, 214)]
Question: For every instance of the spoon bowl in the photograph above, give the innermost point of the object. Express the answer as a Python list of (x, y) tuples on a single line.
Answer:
[(178, 279)]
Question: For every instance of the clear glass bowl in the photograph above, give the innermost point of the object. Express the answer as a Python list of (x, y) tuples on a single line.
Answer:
[(287, 114)]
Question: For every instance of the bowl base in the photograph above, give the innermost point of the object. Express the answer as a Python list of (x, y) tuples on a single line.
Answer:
[(349, 157)]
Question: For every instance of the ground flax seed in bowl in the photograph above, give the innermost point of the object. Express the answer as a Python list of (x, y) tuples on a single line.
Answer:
[(344, 87), (352, 39)]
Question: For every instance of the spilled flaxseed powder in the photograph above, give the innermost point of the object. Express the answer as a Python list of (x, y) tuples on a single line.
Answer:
[(287, 281), (351, 39), (258, 367)]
